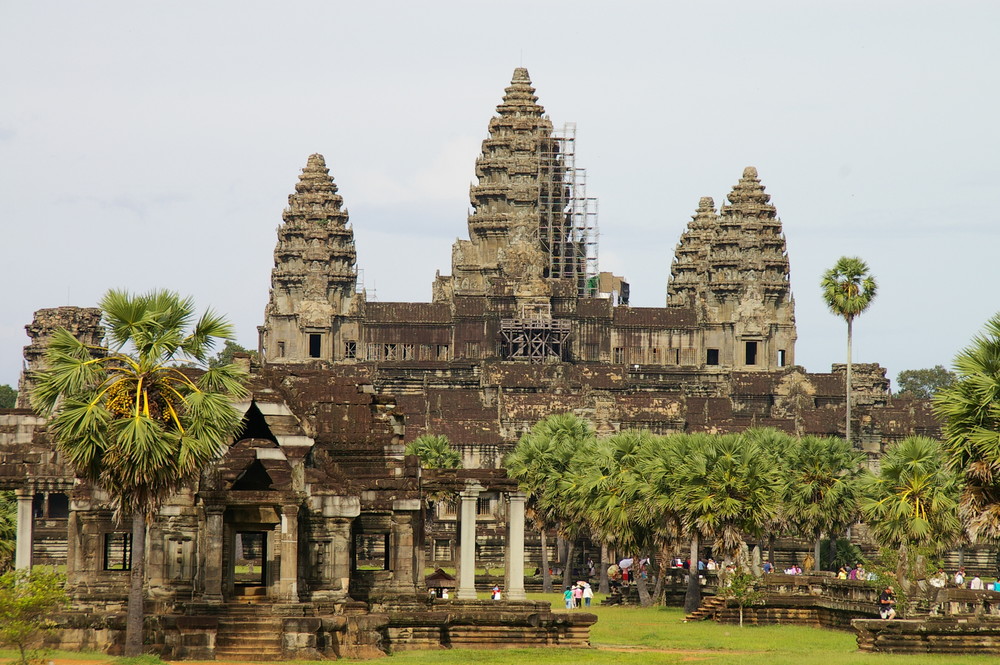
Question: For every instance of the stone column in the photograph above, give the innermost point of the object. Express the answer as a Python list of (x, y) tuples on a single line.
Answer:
[(467, 562), (515, 546), (288, 583), (213, 552), (341, 546), (403, 545), (25, 524)]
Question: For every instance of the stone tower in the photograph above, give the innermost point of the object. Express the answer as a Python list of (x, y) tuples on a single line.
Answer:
[(517, 228), (314, 278), (731, 266), (84, 323)]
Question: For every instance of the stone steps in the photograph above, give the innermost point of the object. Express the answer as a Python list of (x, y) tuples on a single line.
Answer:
[(709, 609)]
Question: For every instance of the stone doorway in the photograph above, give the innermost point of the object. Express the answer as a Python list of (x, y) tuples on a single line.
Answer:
[(249, 571)]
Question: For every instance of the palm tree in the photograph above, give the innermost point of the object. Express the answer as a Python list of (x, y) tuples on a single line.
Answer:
[(848, 290), (970, 409), (538, 461), (913, 500), (8, 529), (720, 486), (821, 489), (435, 452), (128, 418), (606, 488)]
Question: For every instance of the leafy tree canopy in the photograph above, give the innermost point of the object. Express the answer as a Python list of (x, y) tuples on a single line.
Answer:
[(226, 353), (435, 452), (8, 397), (27, 601), (924, 383)]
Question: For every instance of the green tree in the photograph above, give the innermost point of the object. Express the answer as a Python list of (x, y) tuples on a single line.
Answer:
[(720, 487), (129, 419), (924, 383), (228, 352), (27, 601), (435, 452), (606, 489), (8, 397), (8, 529), (743, 587), (848, 290), (537, 463), (821, 488), (970, 409), (912, 502)]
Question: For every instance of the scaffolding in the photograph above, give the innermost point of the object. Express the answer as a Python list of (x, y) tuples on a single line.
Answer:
[(567, 216), (534, 337)]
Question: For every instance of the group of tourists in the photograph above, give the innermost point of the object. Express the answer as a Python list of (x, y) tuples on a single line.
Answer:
[(578, 595), (959, 580)]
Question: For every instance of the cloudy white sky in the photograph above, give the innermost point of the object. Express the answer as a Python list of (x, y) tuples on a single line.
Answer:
[(147, 145)]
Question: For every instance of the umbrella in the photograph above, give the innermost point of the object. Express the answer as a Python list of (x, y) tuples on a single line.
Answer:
[(625, 563)]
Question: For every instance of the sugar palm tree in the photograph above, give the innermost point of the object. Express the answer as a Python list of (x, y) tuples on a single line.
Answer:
[(913, 500), (435, 452), (970, 409), (130, 419), (848, 290), (720, 486), (821, 488), (538, 461), (8, 529)]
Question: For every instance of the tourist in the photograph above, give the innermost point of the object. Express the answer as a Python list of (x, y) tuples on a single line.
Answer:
[(960, 578), (711, 565), (768, 567), (496, 592), (939, 579), (842, 574), (568, 598), (886, 603), (578, 594), (588, 594), (444, 594), (976, 583), (701, 565)]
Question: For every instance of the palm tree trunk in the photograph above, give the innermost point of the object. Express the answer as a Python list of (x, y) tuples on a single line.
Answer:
[(605, 586), (568, 568), (640, 584), (692, 599), (850, 324), (660, 577), (833, 551), (770, 551), (546, 576), (816, 545), (136, 615)]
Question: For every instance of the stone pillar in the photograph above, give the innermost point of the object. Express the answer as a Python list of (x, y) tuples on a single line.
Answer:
[(213, 552), (467, 562), (403, 560), (25, 523), (341, 545), (288, 583), (515, 546)]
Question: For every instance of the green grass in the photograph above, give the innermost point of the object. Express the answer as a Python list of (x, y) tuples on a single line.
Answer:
[(658, 636)]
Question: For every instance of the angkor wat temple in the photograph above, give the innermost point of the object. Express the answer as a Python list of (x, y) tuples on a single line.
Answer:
[(317, 521)]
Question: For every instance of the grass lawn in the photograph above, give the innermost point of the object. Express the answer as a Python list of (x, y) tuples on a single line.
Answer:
[(658, 636)]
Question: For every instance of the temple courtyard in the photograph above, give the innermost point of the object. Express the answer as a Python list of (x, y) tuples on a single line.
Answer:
[(650, 636)]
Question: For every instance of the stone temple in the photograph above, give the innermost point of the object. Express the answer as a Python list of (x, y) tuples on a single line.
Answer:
[(312, 536)]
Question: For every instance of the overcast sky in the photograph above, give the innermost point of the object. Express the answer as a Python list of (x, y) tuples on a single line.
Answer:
[(153, 145)]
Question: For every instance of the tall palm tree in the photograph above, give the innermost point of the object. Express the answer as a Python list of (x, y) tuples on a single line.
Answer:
[(538, 461), (721, 487), (130, 419), (822, 489), (435, 452), (913, 500), (970, 409), (848, 290)]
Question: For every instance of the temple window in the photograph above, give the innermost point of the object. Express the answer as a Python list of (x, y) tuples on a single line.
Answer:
[(350, 349), (118, 551), (315, 344), (781, 357), (371, 551), (618, 355), (712, 357)]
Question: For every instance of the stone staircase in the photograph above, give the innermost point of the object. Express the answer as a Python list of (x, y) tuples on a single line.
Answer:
[(710, 608), (248, 632)]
